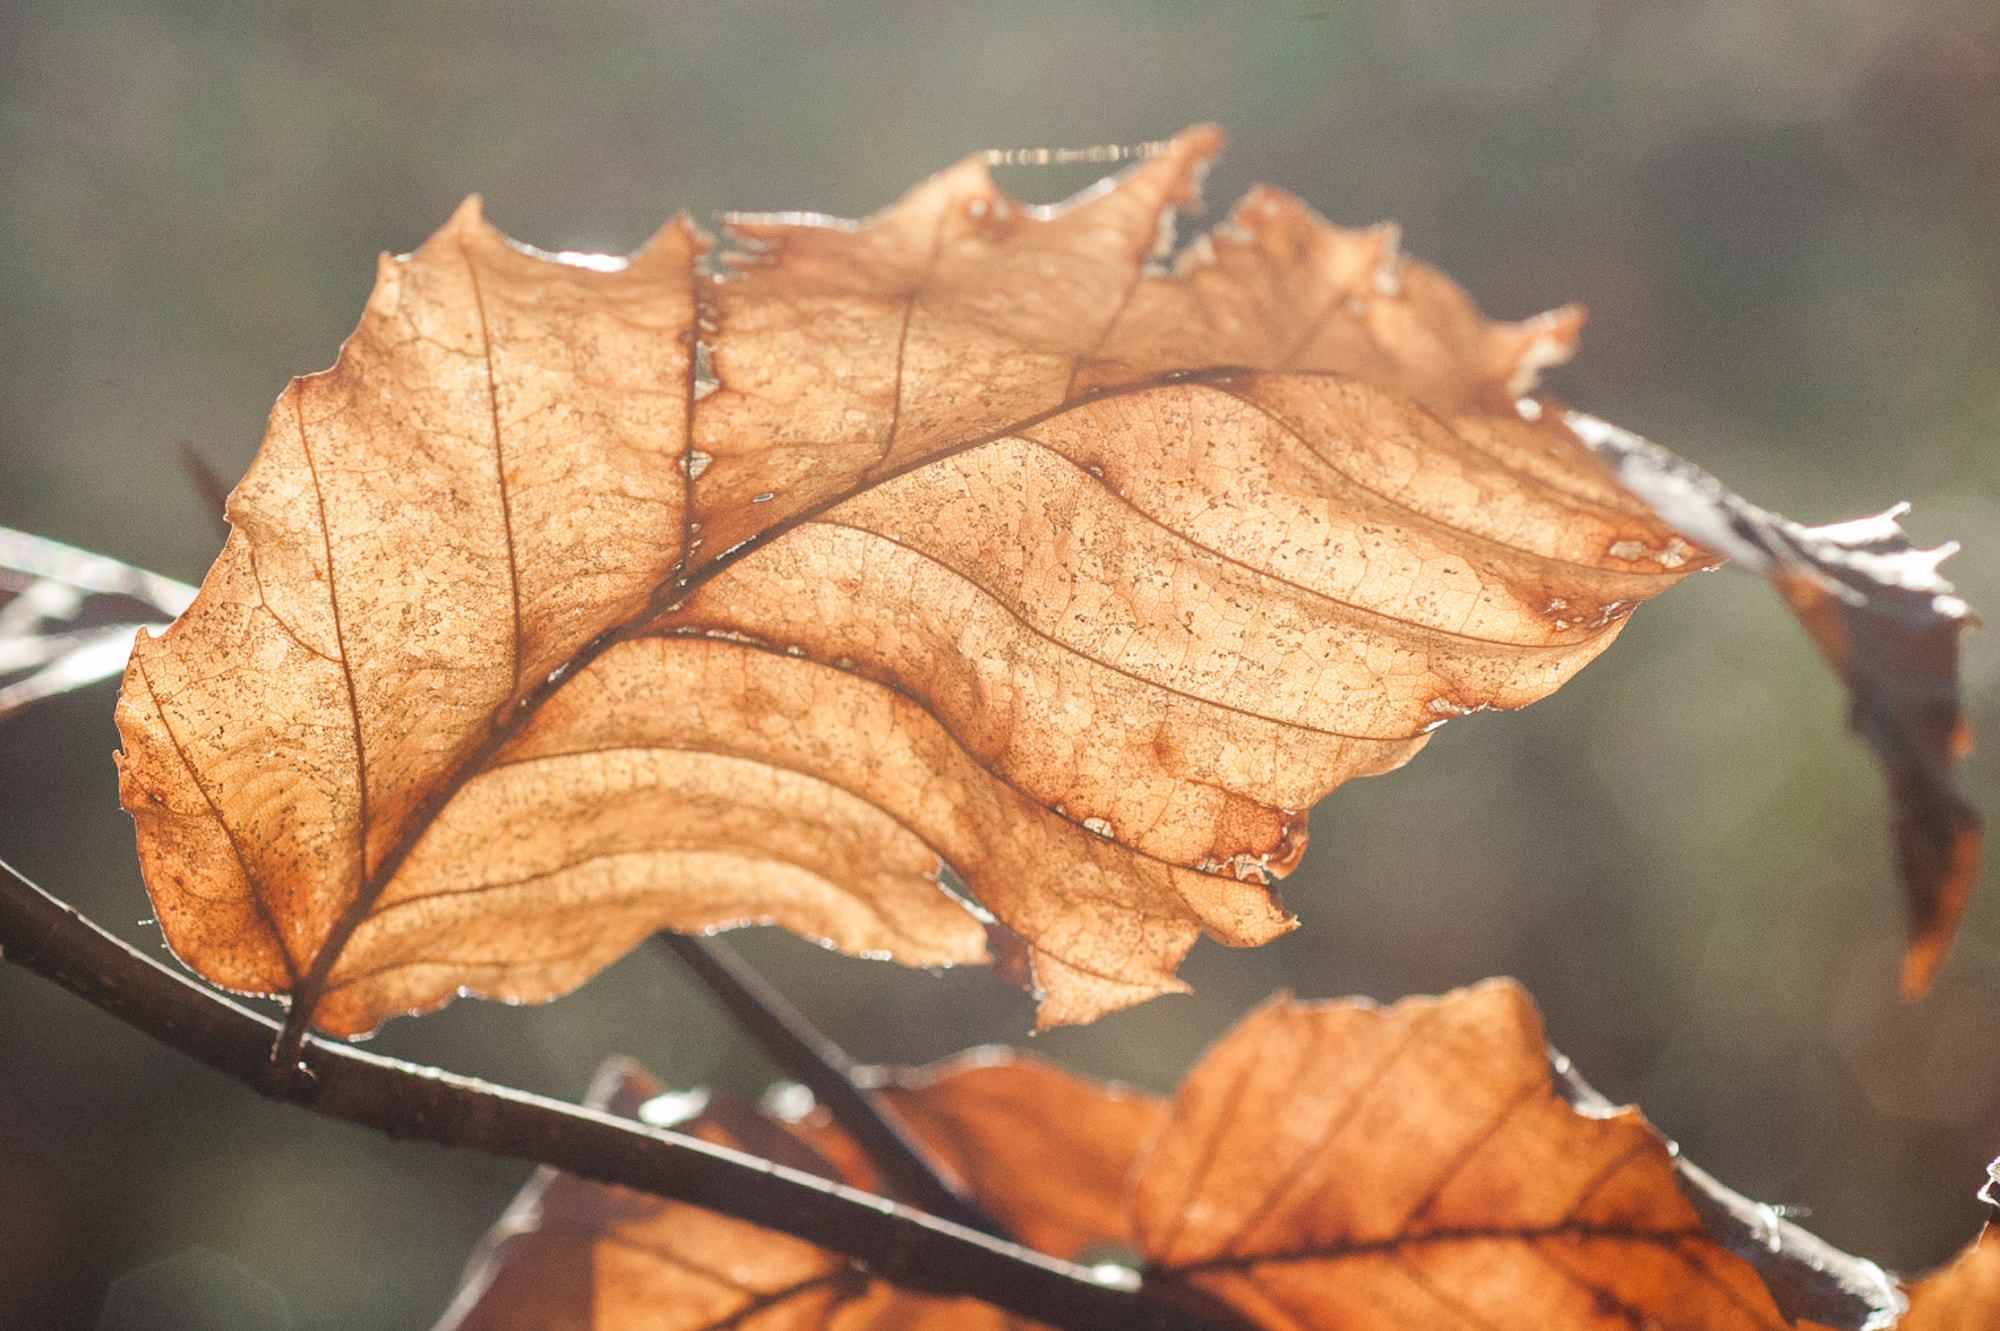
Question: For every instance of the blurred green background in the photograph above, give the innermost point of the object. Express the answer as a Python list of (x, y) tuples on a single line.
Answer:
[(1782, 214)]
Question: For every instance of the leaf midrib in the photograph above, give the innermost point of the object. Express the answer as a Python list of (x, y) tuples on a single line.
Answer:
[(310, 988), (667, 595)]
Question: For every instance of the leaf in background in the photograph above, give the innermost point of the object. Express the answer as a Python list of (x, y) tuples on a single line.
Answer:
[(1889, 625), (585, 597), (1343, 1165), (570, 1255), (1326, 1167), (1046, 1153), (67, 617)]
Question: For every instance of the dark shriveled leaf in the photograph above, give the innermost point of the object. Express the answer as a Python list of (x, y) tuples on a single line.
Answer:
[(1889, 625)]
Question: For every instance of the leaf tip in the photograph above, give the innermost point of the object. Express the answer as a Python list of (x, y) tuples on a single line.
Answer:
[(1193, 150), (675, 244), (466, 228), (1521, 351), (1938, 896), (470, 215), (1203, 140)]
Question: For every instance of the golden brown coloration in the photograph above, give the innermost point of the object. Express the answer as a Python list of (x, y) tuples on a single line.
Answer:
[(578, 601), (1342, 1165), (1047, 1154), (1327, 1167)]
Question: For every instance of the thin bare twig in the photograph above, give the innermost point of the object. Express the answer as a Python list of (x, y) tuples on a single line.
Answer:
[(823, 1067), (207, 483), (895, 1243)]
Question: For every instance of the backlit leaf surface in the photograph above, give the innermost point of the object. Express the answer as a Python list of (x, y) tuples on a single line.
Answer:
[(1342, 1165), (583, 598)]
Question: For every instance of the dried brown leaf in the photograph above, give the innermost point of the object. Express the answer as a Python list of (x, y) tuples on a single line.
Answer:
[(571, 1255), (1046, 1153), (1415, 1167), (580, 600), (1811, 1281), (1334, 1165), (1889, 625)]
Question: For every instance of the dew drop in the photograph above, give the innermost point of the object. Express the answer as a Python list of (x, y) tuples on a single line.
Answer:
[(673, 1108)]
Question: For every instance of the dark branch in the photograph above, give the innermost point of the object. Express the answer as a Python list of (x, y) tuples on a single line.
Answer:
[(808, 1057), (897, 1244)]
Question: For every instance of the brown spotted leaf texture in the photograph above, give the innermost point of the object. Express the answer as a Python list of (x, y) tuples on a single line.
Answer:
[(755, 581), (1326, 1167)]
